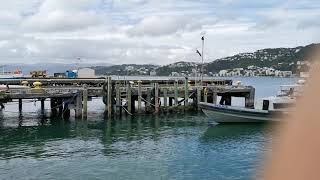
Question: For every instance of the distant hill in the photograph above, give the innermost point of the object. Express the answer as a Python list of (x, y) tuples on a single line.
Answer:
[(125, 69), (279, 58), (176, 67), (284, 59)]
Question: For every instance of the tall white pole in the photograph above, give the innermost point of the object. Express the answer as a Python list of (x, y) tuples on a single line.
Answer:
[(202, 60)]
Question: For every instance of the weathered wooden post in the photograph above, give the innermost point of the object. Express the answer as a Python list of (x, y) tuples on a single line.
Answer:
[(148, 105), (214, 96), (176, 93), (205, 95), (156, 89), (42, 105), (139, 97), (85, 102), (199, 96), (109, 97), (186, 92), (129, 98), (78, 103), (20, 105), (249, 99), (170, 101), (118, 99), (165, 97)]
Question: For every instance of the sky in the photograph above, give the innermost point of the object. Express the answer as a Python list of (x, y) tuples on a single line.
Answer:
[(150, 31)]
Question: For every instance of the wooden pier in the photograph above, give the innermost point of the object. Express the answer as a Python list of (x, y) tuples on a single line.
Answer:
[(124, 96)]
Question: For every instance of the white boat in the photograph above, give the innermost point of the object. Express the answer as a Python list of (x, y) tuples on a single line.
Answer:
[(267, 109)]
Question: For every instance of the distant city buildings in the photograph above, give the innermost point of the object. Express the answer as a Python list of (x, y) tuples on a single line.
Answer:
[(254, 71)]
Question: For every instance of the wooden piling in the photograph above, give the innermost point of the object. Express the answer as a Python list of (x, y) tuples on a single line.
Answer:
[(148, 105), (165, 97), (42, 104), (20, 105), (85, 102), (139, 97), (118, 99), (170, 101), (109, 97), (176, 93), (249, 98), (156, 89), (129, 98), (78, 104), (214, 97), (205, 95), (198, 96), (186, 92)]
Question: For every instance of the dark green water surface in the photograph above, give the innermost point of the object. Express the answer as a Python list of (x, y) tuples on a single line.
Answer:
[(168, 146), (172, 146)]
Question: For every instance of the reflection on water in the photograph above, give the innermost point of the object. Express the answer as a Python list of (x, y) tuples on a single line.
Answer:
[(168, 146)]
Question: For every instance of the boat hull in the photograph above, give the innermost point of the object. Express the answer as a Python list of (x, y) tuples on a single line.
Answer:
[(229, 114)]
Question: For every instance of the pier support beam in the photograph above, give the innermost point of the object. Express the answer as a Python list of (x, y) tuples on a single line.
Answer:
[(109, 97), (165, 97), (176, 93), (78, 103), (53, 106), (118, 99), (170, 101), (186, 92), (156, 89), (148, 105), (42, 104), (85, 102), (249, 99), (129, 98), (205, 95), (66, 110), (139, 97), (20, 105), (198, 96), (214, 96)]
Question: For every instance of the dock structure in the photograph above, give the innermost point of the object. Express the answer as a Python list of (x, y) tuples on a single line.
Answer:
[(122, 96)]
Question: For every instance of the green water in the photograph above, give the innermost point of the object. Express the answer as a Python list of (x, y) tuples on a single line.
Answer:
[(169, 146), (172, 146)]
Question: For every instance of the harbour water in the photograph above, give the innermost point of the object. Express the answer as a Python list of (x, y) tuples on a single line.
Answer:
[(168, 146)]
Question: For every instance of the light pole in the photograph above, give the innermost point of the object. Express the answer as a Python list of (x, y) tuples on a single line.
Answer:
[(202, 60)]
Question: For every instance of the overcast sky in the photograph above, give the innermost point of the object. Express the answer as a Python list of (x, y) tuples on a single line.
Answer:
[(150, 31)]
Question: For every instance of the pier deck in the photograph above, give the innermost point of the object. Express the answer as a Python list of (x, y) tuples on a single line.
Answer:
[(126, 96)]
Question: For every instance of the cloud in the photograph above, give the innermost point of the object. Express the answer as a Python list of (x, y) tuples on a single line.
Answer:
[(150, 31), (61, 21), (159, 25)]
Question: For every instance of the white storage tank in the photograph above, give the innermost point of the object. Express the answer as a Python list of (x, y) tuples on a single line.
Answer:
[(86, 73)]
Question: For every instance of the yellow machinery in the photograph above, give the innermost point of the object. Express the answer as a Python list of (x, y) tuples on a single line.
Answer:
[(38, 74)]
